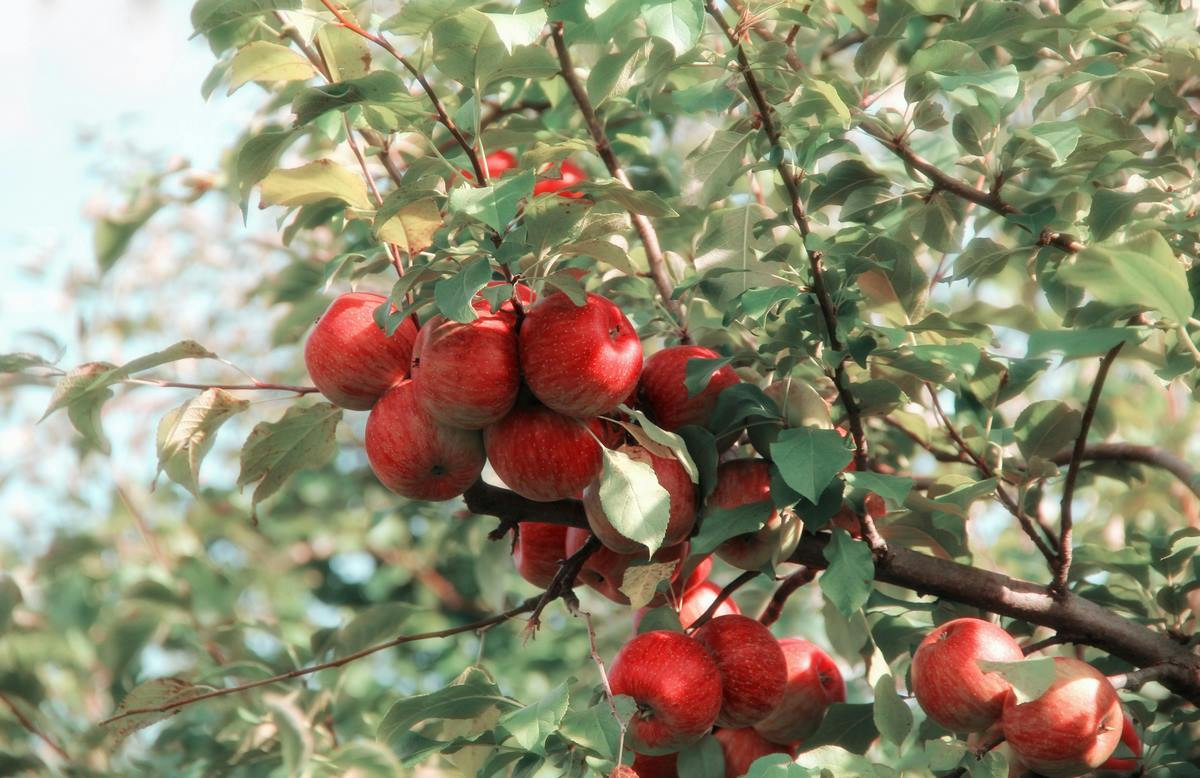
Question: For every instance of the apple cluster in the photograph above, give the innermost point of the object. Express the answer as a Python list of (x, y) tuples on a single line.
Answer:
[(763, 695), (1071, 729)]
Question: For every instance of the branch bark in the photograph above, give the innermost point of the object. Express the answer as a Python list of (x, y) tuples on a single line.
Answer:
[(642, 224), (30, 727)]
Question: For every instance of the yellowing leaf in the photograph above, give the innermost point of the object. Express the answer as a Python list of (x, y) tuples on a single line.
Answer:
[(314, 182), (412, 227), (186, 434), (269, 62)]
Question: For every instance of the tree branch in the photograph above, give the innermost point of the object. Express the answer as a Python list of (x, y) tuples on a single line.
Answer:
[(1137, 678), (257, 386), (737, 583), (563, 582), (645, 230), (32, 728), (774, 607), (1089, 623), (1131, 452), (1065, 518), (499, 618)]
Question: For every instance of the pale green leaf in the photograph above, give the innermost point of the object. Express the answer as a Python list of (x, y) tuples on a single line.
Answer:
[(267, 62), (633, 499), (320, 180), (186, 434), (274, 451)]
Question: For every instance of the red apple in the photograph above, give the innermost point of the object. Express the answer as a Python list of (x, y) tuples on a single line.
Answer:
[(538, 550), (414, 455), (948, 682), (623, 771), (681, 493), (753, 669), (580, 360), (570, 174), (1072, 728), (542, 455), (813, 684), (696, 601), (742, 747), (604, 570), (496, 164), (743, 482), (350, 359), (697, 576), (677, 688), (646, 766), (467, 375), (664, 397)]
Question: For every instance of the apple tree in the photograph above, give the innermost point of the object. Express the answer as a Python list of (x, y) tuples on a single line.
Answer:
[(699, 388)]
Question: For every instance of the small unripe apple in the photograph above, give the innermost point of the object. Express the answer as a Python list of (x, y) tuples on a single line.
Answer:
[(579, 360), (604, 570), (752, 666), (1072, 728), (742, 747), (743, 482), (680, 491), (814, 683), (542, 455), (569, 175), (348, 356), (467, 375), (948, 682), (538, 550), (663, 395), (677, 688), (415, 456)]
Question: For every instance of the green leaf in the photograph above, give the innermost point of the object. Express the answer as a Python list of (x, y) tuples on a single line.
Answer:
[(659, 441), (115, 232), (889, 487), (721, 524), (311, 183), (836, 760), (293, 730), (274, 451), (809, 459), (1142, 271), (381, 90), (1074, 344), (843, 178), (20, 362), (633, 499), (893, 718), (1030, 677), (268, 62), (376, 624), (258, 156), (496, 204), (1045, 427), (151, 694), (186, 434), (848, 580), (705, 759), (411, 227), (454, 294), (849, 725), (347, 53), (10, 598), (467, 48), (531, 725), (699, 371), (678, 22), (207, 15), (982, 258), (1112, 210), (633, 200), (466, 700), (715, 162), (518, 29)]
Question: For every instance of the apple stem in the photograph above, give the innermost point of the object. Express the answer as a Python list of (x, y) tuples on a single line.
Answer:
[(774, 607)]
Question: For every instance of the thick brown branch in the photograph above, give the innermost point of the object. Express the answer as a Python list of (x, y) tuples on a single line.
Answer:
[(30, 727), (524, 607), (1130, 452), (1065, 519), (645, 230), (1137, 678), (564, 581)]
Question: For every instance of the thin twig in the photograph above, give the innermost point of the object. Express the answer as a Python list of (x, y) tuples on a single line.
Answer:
[(24, 721), (645, 230), (563, 582), (730, 588), (1056, 639), (1131, 452), (392, 249), (774, 607), (608, 693), (1065, 518), (259, 386), (499, 618)]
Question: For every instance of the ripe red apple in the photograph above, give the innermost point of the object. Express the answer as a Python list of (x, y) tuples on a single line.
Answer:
[(696, 601), (580, 360), (753, 669), (605, 569), (677, 688), (542, 455), (467, 375), (538, 550), (350, 359), (743, 482), (1072, 728), (663, 766), (680, 491), (570, 174), (742, 747), (813, 684), (948, 682), (697, 576), (663, 396), (496, 164), (414, 455)]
